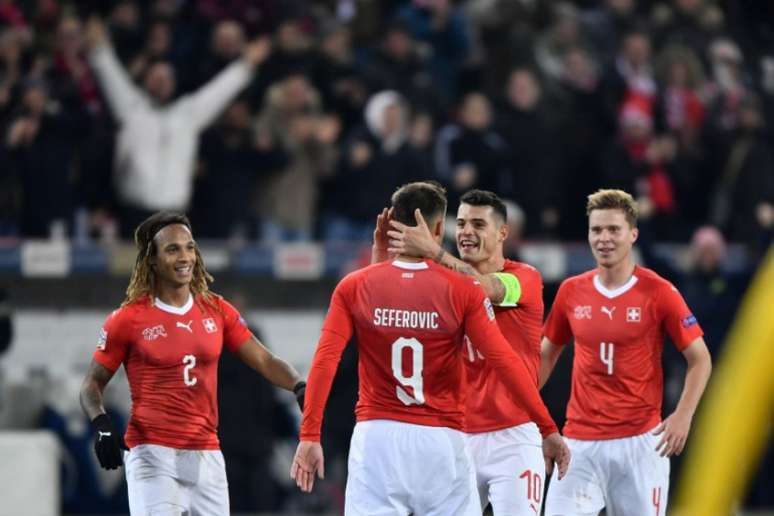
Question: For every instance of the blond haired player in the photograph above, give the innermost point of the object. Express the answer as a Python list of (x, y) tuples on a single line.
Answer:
[(618, 315)]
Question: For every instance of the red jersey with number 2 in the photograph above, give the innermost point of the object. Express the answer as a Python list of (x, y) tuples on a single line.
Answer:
[(617, 381), (410, 319), (171, 360)]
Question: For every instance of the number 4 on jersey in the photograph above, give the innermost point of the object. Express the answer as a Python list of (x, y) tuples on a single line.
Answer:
[(415, 380), (606, 355)]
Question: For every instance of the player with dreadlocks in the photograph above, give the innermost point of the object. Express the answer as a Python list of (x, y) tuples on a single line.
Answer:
[(169, 333)]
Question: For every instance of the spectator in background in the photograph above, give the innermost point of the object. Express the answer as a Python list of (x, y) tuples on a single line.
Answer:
[(743, 201), (41, 142), (226, 44), (564, 33), (337, 76), (377, 158), (157, 48), (293, 52), (158, 137), (126, 29), (445, 29), (232, 161), (606, 24), (470, 154), (399, 65), (680, 112), (688, 23), (528, 128), (727, 88), (292, 120), (632, 72)]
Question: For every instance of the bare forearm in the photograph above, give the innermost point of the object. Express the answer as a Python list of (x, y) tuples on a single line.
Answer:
[(549, 355), (91, 399), (279, 372), (92, 389), (696, 379)]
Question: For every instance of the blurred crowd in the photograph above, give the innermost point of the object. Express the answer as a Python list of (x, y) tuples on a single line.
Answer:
[(294, 120)]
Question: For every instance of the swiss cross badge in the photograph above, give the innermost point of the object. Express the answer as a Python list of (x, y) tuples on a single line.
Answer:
[(633, 314), (209, 325)]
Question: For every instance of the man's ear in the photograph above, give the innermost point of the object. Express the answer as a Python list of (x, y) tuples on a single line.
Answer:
[(438, 227), (502, 232)]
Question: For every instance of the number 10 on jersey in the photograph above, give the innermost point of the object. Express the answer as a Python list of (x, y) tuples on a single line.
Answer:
[(415, 380)]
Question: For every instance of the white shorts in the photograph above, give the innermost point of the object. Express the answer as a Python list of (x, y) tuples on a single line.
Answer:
[(170, 482), (510, 470), (626, 476), (398, 469)]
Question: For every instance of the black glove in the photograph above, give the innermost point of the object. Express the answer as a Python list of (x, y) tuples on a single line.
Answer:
[(108, 444), (300, 390)]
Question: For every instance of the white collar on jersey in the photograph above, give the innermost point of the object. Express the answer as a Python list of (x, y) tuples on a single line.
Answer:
[(610, 294), (412, 266), (175, 310)]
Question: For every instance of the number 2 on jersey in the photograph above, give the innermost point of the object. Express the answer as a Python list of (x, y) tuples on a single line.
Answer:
[(606, 355), (190, 363), (415, 380)]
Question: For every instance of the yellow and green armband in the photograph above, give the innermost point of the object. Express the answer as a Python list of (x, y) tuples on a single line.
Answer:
[(512, 289)]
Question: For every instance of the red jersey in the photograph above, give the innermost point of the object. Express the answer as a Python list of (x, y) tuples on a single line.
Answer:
[(490, 405), (617, 381), (171, 360), (410, 319)]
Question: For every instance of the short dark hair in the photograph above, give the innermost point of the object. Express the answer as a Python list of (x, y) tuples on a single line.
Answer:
[(486, 198), (428, 196)]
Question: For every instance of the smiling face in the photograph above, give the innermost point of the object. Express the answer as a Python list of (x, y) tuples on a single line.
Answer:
[(175, 256), (480, 233), (611, 237)]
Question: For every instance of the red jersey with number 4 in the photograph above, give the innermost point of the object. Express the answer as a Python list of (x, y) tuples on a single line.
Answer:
[(617, 381), (490, 405), (410, 319), (171, 359)]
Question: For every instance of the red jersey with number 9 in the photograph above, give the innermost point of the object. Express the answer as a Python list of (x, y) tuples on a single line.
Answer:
[(171, 359), (410, 319), (617, 381)]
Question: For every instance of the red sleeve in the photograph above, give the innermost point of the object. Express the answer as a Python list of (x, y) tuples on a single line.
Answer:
[(336, 331), (677, 319), (113, 342), (557, 328), (235, 330), (481, 328), (531, 287)]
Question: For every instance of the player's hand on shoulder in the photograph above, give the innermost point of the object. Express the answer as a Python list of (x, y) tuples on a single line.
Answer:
[(307, 463), (108, 443), (555, 450), (674, 432)]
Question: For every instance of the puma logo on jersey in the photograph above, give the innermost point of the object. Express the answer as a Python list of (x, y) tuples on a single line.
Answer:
[(104, 434), (186, 326), (608, 311)]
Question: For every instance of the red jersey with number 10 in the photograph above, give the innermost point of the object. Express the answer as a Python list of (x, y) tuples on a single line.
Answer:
[(171, 360), (490, 404), (410, 319), (617, 381)]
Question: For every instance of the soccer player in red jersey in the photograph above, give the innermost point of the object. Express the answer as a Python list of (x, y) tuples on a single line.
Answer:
[(168, 334), (618, 315), (505, 444), (408, 453)]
